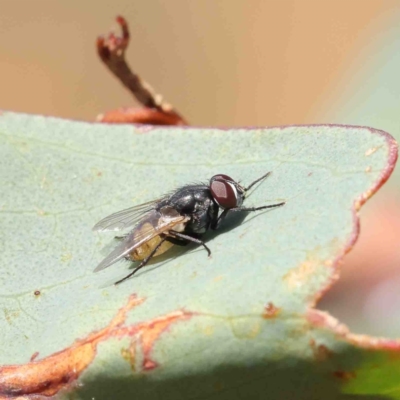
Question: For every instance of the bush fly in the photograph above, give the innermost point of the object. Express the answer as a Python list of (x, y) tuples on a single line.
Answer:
[(178, 218)]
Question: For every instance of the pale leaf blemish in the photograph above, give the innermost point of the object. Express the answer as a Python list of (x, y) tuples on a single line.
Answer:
[(93, 176), (298, 277), (328, 263), (129, 355), (193, 275), (208, 330), (370, 151), (96, 173), (44, 182), (368, 169), (11, 314), (66, 257), (243, 328), (312, 265), (242, 235)]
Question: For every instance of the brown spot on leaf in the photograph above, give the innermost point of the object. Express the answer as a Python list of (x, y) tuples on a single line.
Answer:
[(49, 375), (37, 293), (53, 373), (321, 352), (344, 375), (147, 334), (271, 311), (34, 356)]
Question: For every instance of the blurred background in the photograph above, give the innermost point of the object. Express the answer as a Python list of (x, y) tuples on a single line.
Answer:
[(225, 63)]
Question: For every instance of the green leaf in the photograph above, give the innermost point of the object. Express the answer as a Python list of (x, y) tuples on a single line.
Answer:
[(239, 325)]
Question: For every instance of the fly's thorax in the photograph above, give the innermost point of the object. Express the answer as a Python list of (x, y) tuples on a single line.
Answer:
[(202, 218), (192, 202), (189, 199)]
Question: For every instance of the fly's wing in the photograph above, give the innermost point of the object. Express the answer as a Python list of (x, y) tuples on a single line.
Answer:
[(151, 225), (126, 218)]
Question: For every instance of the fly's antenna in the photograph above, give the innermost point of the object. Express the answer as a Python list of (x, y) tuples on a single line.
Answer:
[(256, 181)]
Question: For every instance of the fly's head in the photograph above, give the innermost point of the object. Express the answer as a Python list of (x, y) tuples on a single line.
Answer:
[(226, 192)]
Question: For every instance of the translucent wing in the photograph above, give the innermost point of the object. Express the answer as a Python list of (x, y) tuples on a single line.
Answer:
[(151, 225), (126, 218)]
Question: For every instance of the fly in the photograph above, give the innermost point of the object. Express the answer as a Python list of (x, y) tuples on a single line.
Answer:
[(179, 218)]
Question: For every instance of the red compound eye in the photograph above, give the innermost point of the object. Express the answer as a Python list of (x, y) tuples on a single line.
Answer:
[(224, 191)]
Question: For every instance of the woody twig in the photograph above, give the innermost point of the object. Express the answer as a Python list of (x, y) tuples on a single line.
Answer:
[(111, 50)]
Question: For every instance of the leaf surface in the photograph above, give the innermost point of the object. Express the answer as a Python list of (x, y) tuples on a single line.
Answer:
[(186, 327)]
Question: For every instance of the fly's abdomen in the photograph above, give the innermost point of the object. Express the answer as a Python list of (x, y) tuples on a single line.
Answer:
[(143, 251)]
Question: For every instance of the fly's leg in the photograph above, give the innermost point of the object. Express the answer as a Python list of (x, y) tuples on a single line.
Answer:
[(144, 262), (217, 222), (238, 209), (178, 242), (188, 238)]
